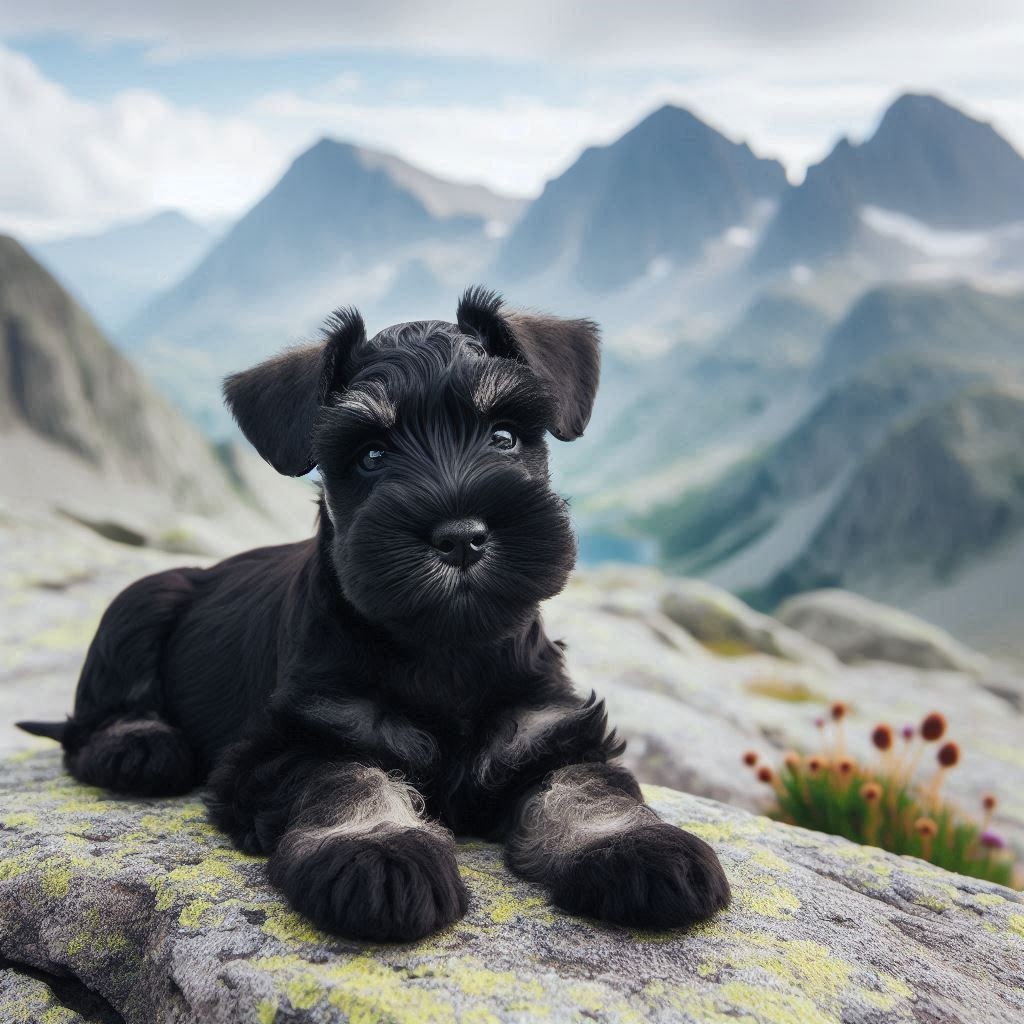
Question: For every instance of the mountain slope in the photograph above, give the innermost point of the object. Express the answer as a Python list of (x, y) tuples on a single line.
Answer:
[(739, 527), (661, 191), (83, 433), (114, 273), (926, 160), (953, 321), (936, 496)]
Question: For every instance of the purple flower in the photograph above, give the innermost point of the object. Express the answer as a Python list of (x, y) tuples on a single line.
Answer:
[(907, 732), (820, 722), (993, 840)]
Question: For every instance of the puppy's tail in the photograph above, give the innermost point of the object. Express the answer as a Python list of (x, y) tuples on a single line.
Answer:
[(51, 730)]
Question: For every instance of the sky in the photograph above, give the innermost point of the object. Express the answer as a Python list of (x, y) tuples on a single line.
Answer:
[(108, 113)]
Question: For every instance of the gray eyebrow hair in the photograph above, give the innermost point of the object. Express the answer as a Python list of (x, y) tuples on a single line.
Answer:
[(370, 402), (498, 387)]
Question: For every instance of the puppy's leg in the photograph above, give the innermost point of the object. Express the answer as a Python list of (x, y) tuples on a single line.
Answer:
[(587, 834), (349, 845), (144, 756), (117, 737)]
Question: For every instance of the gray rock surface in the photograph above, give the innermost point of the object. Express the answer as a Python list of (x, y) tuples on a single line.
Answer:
[(148, 907), (857, 629)]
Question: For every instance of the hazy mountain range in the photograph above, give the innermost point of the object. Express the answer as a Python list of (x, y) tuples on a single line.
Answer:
[(117, 271), (781, 359)]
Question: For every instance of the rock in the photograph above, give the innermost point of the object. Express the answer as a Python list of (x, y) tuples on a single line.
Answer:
[(727, 626), (149, 908), (689, 715), (858, 629)]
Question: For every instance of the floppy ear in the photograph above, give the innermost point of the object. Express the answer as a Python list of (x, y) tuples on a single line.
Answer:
[(276, 403), (564, 353)]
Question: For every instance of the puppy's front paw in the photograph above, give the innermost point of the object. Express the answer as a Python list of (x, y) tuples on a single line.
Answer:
[(396, 886), (655, 876)]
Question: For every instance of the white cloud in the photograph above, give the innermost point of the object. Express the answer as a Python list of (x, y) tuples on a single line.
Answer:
[(641, 32), (789, 78), (70, 165)]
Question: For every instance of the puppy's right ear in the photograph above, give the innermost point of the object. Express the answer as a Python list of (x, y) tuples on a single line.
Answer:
[(276, 403)]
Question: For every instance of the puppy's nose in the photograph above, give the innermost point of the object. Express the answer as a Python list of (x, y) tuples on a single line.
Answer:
[(460, 542)]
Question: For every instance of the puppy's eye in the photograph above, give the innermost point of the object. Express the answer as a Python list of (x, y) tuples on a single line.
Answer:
[(372, 458), (503, 439)]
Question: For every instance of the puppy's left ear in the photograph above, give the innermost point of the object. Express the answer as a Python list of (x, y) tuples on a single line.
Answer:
[(276, 403), (565, 354)]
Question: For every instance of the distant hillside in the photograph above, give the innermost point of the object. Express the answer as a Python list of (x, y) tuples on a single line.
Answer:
[(742, 527), (116, 272), (661, 423), (953, 321), (84, 434), (926, 160), (659, 192), (938, 495)]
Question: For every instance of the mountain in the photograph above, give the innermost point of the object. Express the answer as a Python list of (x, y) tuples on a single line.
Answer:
[(745, 525), (85, 436), (343, 226), (954, 321), (114, 273), (659, 193), (898, 351), (662, 424), (927, 161), (938, 495)]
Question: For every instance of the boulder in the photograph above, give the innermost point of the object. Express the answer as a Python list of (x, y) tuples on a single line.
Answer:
[(727, 626), (148, 911), (857, 629)]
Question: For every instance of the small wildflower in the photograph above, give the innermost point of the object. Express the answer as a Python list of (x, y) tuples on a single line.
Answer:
[(792, 760), (839, 710), (819, 722), (816, 764), (992, 840), (926, 827), (988, 801), (933, 727), (948, 755), (845, 766), (907, 732), (750, 758), (870, 791), (765, 774), (882, 737)]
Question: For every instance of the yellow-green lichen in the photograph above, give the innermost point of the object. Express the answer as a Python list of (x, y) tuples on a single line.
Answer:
[(266, 1012)]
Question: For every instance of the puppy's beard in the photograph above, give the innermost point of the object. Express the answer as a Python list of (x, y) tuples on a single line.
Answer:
[(394, 577)]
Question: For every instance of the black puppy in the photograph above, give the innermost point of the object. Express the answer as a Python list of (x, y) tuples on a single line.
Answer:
[(353, 698)]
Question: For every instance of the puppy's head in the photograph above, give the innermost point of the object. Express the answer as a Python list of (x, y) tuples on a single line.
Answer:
[(430, 441)]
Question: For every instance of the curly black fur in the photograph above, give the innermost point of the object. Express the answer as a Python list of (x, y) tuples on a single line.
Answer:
[(351, 699)]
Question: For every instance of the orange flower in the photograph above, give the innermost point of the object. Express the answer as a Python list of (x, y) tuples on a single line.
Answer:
[(882, 737), (839, 710), (933, 727), (926, 827), (870, 791), (948, 755)]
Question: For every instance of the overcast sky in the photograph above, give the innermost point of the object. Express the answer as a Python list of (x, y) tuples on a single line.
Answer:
[(108, 113)]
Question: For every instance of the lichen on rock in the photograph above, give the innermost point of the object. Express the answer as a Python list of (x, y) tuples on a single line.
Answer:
[(149, 907)]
